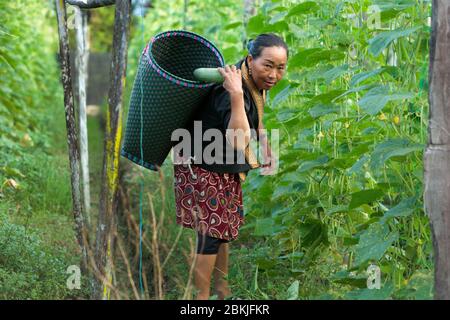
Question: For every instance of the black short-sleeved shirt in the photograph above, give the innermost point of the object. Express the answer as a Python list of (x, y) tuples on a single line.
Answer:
[(215, 113)]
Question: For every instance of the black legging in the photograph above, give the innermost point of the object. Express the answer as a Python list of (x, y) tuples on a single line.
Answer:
[(207, 244)]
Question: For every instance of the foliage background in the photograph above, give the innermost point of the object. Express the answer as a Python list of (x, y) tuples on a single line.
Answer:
[(352, 114)]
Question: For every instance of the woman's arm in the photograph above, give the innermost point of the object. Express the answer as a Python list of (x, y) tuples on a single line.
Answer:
[(238, 131)]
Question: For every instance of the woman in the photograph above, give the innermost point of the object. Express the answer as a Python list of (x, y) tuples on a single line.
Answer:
[(209, 196)]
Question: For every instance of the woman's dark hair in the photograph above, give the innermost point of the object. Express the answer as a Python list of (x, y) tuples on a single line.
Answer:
[(265, 40)]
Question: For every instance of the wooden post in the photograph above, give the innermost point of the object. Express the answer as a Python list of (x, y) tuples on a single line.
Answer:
[(72, 138), (437, 153), (109, 195)]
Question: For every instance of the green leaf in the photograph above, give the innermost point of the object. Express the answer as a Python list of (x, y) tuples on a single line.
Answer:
[(383, 293), (323, 55), (285, 115), (376, 98), (283, 83), (360, 77), (325, 98), (230, 53), (328, 73), (303, 8), (297, 31), (373, 243), (419, 287), (391, 148), (299, 59), (355, 89), (328, 55), (287, 188), (312, 56), (322, 109), (309, 165), (403, 209), (272, 6), (358, 165), (360, 149), (357, 78), (365, 196), (279, 26), (335, 72), (378, 43), (255, 24), (284, 94), (278, 17)]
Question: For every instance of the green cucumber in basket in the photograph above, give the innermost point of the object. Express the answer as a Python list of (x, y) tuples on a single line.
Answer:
[(208, 75)]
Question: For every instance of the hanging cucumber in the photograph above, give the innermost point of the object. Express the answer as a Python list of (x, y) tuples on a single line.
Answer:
[(208, 75)]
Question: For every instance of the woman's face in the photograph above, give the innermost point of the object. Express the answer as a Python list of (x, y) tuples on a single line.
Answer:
[(269, 67)]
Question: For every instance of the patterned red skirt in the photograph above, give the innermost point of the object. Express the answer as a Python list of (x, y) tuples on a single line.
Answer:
[(208, 202)]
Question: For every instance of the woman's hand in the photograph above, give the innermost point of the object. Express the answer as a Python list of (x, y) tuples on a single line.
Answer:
[(232, 79), (271, 168)]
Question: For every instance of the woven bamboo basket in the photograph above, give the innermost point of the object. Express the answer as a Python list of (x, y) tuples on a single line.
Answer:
[(165, 93)]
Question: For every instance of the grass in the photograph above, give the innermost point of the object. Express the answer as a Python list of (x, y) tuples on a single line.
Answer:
[(40, 210)]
